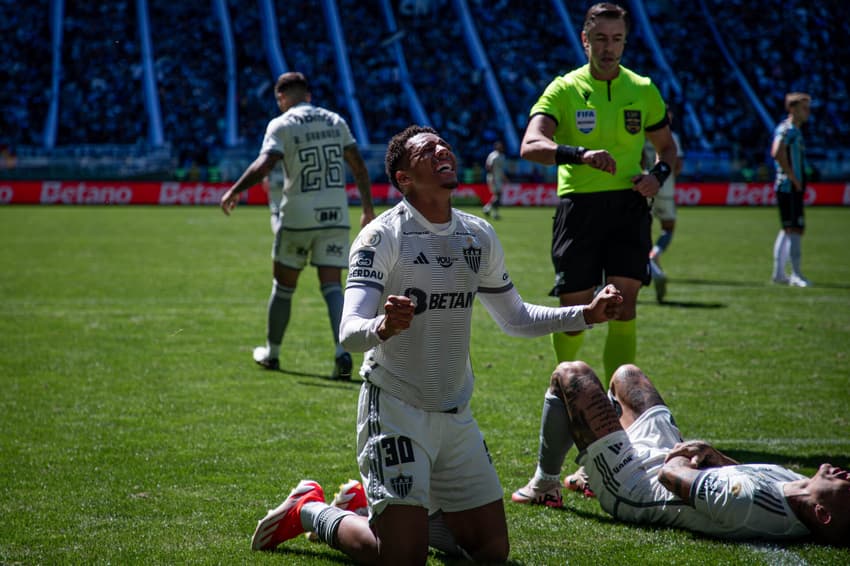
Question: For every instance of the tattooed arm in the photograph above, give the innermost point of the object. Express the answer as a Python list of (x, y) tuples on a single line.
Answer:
[(678, 476), (682, 466)]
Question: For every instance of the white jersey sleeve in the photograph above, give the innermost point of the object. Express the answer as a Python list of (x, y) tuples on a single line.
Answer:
[(312, 141), (518, 318)]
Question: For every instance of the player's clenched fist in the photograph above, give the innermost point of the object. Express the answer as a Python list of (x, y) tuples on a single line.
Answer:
[(700, 454), (605, 305), (398, 314)]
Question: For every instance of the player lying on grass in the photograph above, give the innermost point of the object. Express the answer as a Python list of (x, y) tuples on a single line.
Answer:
[(414, 274), (642, 472)]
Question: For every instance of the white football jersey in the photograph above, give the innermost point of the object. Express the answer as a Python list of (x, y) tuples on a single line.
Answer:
[(311, 140), (495, 166), (443, 268), (743, 502)]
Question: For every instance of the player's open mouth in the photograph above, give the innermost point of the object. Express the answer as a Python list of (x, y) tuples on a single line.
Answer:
[(445, 168)]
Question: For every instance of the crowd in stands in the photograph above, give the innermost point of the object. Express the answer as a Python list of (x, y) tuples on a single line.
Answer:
[(524, 62), (101, 96), (375, 71), (255, 79), (801, 46), (451, 88), (25, 72), (191, 77)]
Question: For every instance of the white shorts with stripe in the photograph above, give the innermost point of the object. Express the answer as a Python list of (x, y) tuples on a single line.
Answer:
[(623, 469), (326, 247), (408, 456)]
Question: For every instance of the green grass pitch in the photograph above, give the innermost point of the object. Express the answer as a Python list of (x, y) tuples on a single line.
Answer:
[(136, 428)]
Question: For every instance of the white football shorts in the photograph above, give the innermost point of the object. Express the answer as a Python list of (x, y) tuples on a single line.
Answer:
[(664, 203), (408, 456), (327, 247), (623, 466)]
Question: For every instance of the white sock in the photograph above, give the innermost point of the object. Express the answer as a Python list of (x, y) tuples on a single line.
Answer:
[(780, 254), (274, 350), (541, 475), (796, 253), (309, 512)]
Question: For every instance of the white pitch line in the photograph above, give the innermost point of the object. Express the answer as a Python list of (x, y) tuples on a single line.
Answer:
[(778, 556)]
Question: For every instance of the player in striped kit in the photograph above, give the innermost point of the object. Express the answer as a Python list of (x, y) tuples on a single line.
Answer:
[(414, 274), (642, 472), (313, 144), (789, 153)]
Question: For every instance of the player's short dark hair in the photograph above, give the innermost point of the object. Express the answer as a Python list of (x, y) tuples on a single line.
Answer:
[(292, 80), (794, 98), (397, 157), (608, 11)]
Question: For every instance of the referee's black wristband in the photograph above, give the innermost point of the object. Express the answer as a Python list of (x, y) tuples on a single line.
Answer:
[(571, 154), (660, 171)]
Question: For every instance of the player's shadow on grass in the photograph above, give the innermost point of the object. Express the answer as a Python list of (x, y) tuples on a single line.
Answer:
[(324, 379), (809, 462), (604, 518), (340, 558), (596, 514), (691, 305), (439, 557), (757, 284), (329, 555)]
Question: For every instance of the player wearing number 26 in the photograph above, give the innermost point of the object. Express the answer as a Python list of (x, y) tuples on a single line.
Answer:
[(312, 144)]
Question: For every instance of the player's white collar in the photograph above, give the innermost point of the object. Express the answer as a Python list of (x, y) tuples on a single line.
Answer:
[(441, 229)]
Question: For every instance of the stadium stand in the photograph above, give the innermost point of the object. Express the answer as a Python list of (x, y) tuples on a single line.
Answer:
[(375, 71), (101, 100), (25, 72)]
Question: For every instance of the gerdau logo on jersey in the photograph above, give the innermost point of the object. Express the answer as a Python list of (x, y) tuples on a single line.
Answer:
[(362, 264), (439, 301)]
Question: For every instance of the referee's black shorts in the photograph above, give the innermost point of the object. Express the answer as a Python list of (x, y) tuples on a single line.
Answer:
[(598, 235), (791, 209)]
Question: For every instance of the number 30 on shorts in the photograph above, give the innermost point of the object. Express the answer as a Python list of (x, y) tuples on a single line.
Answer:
[(397, 450)]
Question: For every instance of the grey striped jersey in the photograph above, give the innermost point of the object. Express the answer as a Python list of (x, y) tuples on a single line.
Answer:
[(442, 268), (745, 502), (312, 140)]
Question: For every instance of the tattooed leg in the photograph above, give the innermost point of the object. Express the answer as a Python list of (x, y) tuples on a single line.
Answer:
[(635, 393), (591, 415)]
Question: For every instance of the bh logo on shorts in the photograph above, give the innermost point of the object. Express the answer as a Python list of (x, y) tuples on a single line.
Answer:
[(402, 485), (328, 215)]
